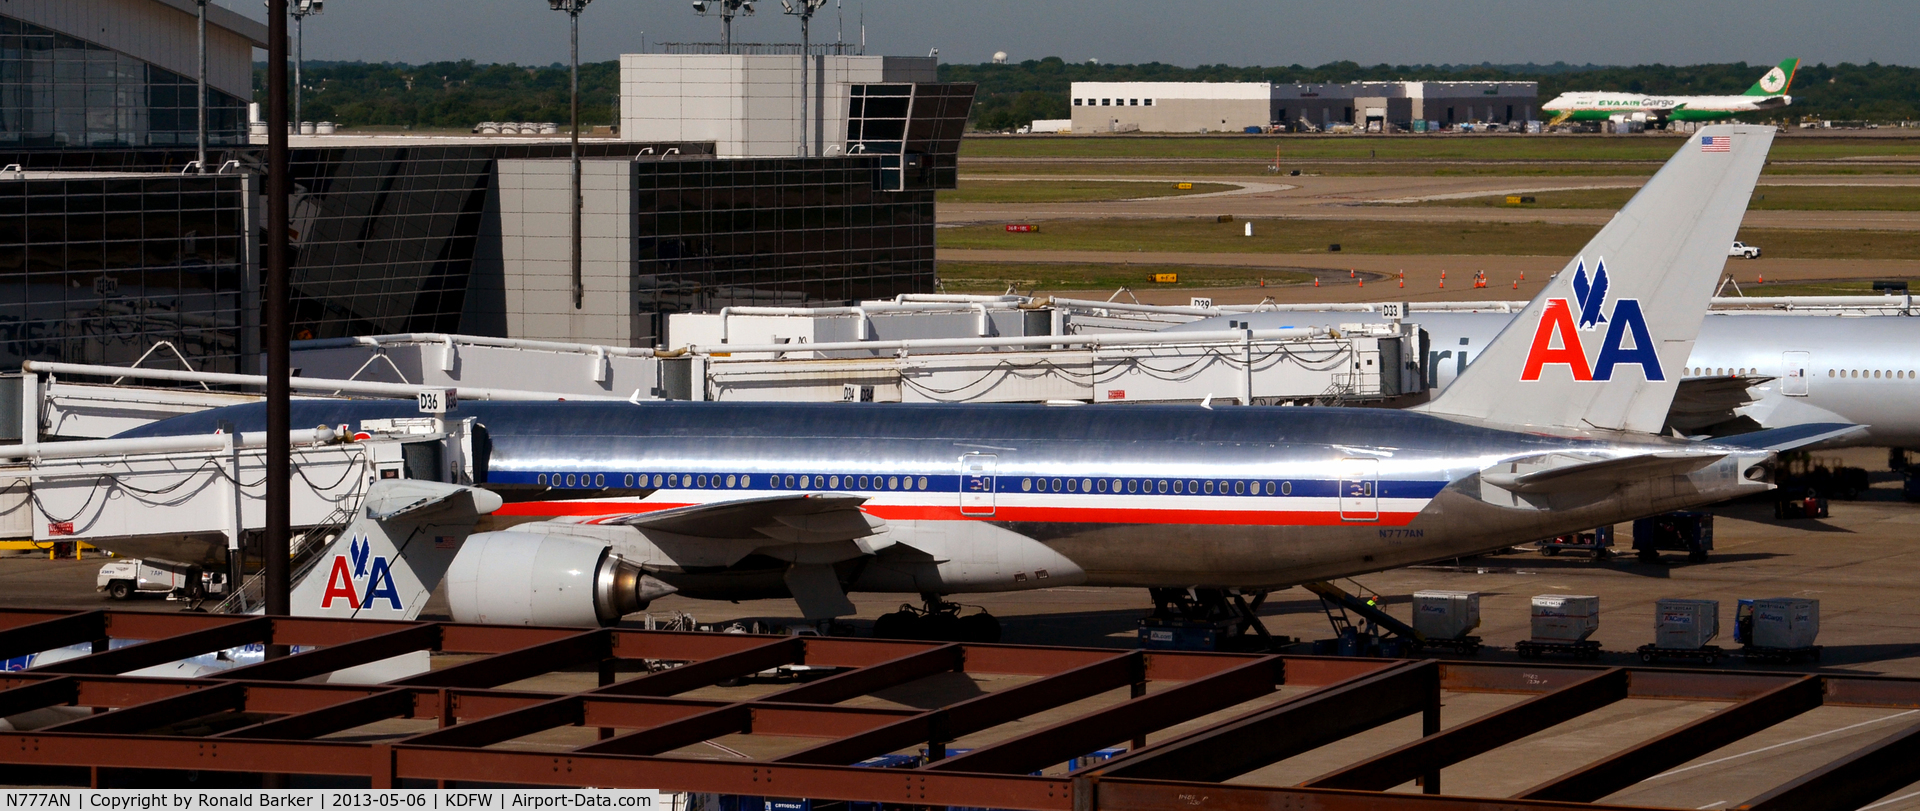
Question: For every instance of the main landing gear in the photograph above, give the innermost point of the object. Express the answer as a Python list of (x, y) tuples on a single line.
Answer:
[(938, 621)]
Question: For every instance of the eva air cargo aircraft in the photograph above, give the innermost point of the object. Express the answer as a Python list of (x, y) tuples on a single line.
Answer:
[(1770, 93)]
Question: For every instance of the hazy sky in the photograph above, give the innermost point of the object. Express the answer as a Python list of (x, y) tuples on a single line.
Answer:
[(1184, 32)]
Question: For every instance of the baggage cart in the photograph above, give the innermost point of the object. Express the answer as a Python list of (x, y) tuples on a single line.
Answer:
[(1538, 648), (1705, 654), (1686, 531), (1597, 543)]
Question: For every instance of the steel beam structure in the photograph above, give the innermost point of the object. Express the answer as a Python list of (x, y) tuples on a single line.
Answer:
[(278, 717)]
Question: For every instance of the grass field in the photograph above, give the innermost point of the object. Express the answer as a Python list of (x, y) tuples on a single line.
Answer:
[(1068, 191), (1765, 198), (1445, 147), (1314, 236), (1027, 277), (1832, 288)]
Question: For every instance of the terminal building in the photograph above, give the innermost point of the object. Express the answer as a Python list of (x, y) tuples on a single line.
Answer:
[(1242, 106), (107, 249)]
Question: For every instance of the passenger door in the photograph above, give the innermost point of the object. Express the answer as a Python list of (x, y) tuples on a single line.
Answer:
[(1793, 376), (976, 483), (1359, 489)]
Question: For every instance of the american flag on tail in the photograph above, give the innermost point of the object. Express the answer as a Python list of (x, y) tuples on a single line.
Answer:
[(1716, 143)]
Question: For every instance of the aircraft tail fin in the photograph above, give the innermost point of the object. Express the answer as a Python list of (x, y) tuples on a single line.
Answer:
[(1776, 81), (1604, 344), (394, 552)]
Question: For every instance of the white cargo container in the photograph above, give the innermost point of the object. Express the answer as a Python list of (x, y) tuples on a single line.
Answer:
[(1565, 617), (1446, 614), (1685, 624), (1785, 622)]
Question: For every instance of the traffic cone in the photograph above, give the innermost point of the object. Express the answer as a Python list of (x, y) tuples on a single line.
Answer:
[(1516, 284), (1403, 284), (1760, 279), (1316, 281), (1363, 282), (1350, 273), (1523, 275), (1443, 284)]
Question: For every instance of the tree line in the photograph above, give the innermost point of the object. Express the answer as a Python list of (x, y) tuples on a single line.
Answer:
[(458, 95)]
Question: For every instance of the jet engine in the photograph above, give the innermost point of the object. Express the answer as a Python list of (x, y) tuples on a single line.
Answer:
[(534, 579)]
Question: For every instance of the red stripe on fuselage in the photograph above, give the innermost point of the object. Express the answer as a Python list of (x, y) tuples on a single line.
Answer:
[(1043, 515)]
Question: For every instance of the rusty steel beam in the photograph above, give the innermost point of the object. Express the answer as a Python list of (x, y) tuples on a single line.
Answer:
[(687, 646), (506, 726), (156, 624), (1879, 769), (161, 712), (705, 673), (980, 712), (1160, 795), (729, 720), (1873, 691), (892, 786), (512, 666), (47, 634), (169, 649), (1301, 724), (345, 715), (1625, 768), (61, 690), (831, 651), (12, 618), (341, 656), (461, 637), (1480, 735), (1069, 739), (1032, 660), (861, 681), (48, 748)]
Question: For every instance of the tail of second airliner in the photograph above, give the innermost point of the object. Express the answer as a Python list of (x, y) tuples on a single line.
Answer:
[(1603, 345), (397, 548), (1777, 80)]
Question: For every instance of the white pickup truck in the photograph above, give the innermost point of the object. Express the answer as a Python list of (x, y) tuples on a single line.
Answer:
[(1744, 251), (122, 579)]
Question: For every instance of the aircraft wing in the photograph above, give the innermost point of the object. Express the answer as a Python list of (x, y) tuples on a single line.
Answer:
[(802, 518), (1561, 472), (1700, 402), (1791, 436)]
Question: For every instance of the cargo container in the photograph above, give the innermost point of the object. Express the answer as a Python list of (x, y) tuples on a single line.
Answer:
[(1685, 624), (1565, 617), (1780, 622), (1446, 614)]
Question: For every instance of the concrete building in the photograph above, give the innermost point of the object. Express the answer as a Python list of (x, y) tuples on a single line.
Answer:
[(107, 249), (1236, 106), (121, 72), (1170, 106)]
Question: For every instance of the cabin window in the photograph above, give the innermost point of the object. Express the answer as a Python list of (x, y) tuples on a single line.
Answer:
[(863, 482), (1163, 485), (540, 479), (1193, 486), (1286, 488), (599, 480), (1073, 486), (893, 482), (1026, 485), (1239, 488), (1133, 485), (1270, 488), (1103, 485)]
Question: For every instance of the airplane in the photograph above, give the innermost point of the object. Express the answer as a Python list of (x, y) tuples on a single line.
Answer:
[(1747, 371), (1553, 429), (1767, 94)]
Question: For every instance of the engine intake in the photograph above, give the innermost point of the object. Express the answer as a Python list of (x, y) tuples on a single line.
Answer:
[(530, 579)]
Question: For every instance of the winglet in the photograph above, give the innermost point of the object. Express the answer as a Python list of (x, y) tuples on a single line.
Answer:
[(1777, 80), (1603, 345)]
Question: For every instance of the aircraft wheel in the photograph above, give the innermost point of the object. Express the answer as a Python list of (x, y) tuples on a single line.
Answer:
[(941, 627), (120, 590), (897, 625), (981, 627)]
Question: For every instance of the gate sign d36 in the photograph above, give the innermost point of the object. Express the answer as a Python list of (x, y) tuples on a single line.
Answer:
[(438, 401)]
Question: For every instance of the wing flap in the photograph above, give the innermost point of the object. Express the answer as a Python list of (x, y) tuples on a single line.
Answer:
[(799, 518), (1791, 437), (1559, 473)]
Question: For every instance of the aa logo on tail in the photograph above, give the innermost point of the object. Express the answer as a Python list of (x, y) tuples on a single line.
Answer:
[(1625, 325), (361, 581)]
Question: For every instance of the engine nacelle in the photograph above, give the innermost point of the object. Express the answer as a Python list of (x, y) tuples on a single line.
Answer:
[(534, 579)]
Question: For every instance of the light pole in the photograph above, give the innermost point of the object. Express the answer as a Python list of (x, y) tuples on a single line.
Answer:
[(805, 13), (727, 9), (572, 8), (302, 9), (201, 99)]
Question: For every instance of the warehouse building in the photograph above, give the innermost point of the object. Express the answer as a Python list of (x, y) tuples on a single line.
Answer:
[(107, 248), (1238, 106)]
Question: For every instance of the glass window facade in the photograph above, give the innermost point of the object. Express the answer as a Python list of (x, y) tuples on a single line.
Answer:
[(773, 231), (100, 269), (915, 130), (59, 91)]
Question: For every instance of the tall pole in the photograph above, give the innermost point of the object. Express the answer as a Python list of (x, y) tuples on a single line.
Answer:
[(579, 287), (275, 549), (299, 59), (201, 99), (806, 89)]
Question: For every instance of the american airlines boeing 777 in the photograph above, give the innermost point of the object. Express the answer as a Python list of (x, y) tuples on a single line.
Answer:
[(1553, 429)]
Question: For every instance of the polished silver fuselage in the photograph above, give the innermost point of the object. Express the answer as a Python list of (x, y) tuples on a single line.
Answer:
[(1130, 495)]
